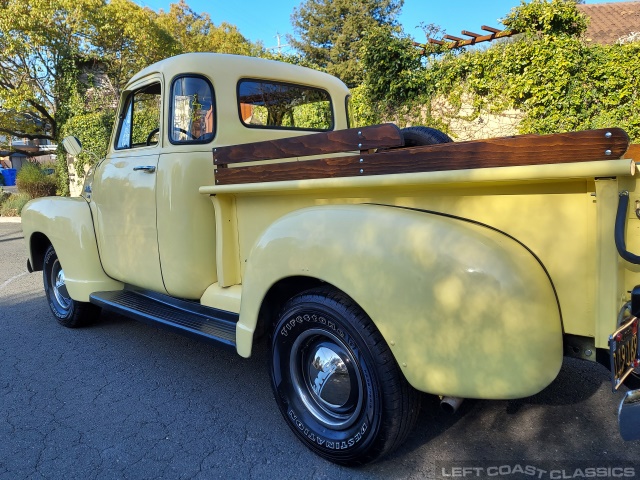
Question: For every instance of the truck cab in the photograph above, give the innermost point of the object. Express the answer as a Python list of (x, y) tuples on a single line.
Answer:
[(145, 195)]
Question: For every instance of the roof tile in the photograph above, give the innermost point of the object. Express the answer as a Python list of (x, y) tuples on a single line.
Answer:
[(611, 21)]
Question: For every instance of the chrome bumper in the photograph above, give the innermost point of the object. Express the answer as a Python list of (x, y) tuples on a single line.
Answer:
[(629, 415)]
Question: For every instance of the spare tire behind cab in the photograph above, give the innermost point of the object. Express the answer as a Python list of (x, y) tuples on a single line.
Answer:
[(419, 136)]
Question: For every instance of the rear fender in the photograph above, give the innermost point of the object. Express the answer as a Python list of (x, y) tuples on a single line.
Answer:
[(466, 310), (66, 223)]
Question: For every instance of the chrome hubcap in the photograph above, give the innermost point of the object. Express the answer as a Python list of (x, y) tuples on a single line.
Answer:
[(59, 286), (331, 383), (326, 377)]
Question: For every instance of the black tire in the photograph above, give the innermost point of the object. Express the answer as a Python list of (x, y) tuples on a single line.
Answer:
[(336, 381), (419, 136), (67, 311)]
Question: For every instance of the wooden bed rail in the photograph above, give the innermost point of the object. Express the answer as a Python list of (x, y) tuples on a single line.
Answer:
[(353, 139), (589, 145)]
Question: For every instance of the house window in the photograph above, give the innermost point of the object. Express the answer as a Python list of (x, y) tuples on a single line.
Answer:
[(192, 110), (266, 104), (140, 118)]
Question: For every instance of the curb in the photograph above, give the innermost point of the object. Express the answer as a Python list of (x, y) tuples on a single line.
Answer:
[(10, 220)]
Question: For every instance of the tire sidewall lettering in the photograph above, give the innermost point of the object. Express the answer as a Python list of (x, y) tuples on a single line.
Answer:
[(299, 320), (356, 435), (325, 442)]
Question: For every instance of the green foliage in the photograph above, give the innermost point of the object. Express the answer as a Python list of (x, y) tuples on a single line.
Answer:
[(127, 38), (196, 32), (32, 180), (12, 206), (392, 66), (556, 80), (361, 111), (560, 84), (330, 32), (548, 17), (94, 132), (62, 172)]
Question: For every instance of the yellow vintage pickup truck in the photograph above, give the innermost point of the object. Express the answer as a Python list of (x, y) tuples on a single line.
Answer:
[(236, 203)]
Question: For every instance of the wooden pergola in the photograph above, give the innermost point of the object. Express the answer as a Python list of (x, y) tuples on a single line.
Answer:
[(474, 38)]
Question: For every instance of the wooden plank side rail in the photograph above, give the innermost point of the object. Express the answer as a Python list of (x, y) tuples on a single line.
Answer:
[(365, 138), (590, 145)]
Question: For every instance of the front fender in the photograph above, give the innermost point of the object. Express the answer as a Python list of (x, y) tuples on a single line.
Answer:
[(68, 225), (466, 310)]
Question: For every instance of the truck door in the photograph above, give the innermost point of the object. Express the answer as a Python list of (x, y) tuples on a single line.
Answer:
[(124, 191), (186, 219)]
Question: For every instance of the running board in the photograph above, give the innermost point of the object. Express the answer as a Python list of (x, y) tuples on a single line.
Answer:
[(181, 316)]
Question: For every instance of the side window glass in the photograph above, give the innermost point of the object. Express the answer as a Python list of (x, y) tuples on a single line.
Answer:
[(124, 137), (140, 122), (192, 110), (266, 104)]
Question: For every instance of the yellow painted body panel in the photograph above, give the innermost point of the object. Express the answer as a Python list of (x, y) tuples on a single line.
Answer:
[(223, 298), (124, 208), (553, 209), (67, 223), (455, 301), (534, 214), (186, 223)]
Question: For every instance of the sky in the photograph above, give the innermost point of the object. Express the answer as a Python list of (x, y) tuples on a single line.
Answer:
[(264, 19)]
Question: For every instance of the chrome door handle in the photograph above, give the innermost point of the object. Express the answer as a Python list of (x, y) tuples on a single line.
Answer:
[(145, 168)]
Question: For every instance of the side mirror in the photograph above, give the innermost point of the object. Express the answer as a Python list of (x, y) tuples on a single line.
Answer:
[(72, 145)]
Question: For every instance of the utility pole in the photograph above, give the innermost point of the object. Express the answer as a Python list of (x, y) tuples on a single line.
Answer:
[(280, 46)]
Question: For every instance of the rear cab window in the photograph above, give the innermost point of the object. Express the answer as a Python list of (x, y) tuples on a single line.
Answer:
[(277, 105)]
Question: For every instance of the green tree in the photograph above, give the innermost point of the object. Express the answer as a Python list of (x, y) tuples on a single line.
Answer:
[(39, 41), (128, 38), (45, 44), (330, 32), (188, 28), (195, 32)]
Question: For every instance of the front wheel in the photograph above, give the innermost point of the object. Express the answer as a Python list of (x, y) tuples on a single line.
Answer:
[(67, 311), (336, 382)]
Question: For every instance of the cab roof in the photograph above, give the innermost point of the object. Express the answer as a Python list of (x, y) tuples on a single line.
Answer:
[(235, 67)]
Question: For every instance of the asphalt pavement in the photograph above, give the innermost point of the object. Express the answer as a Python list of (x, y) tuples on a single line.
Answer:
[(124, 400)]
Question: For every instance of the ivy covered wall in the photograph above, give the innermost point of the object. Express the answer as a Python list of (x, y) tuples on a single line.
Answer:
[(547, 74)]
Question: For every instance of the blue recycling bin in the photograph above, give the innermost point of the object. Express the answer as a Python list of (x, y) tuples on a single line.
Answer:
[(9, 175)]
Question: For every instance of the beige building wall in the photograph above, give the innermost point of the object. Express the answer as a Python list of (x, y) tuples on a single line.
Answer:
[(465, 125)]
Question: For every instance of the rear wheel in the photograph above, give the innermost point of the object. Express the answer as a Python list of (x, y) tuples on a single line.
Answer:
[(336, 381), (67, 311)]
